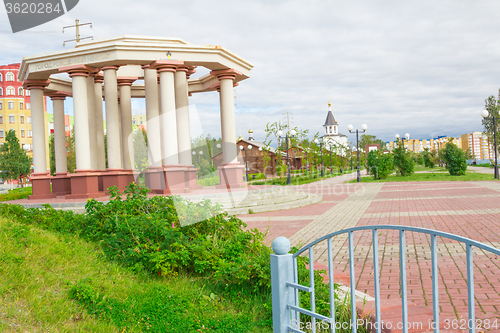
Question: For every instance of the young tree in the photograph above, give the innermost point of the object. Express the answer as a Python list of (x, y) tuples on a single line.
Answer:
[(272, 131), (402, 159), (367, 139), (493, 107), (429, 158), (71, 157), (454, 158), (380, 165), (14, 162), (52, 154), (140, 149)]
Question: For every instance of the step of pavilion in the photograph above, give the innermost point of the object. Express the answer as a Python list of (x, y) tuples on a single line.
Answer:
[(234, 202)]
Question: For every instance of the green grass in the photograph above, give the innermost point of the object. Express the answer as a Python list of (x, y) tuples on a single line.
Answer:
[(16, 194), (432, 176), (58, 283), (302, 179)]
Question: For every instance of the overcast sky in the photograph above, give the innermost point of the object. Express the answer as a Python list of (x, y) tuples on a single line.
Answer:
[(423, 67)]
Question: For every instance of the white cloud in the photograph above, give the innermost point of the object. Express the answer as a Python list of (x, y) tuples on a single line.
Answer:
[(422, 67)]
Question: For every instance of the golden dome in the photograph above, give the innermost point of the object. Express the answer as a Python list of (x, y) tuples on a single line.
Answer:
[(250, 131)]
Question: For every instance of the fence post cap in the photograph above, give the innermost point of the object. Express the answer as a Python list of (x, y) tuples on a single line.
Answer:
[(281, 245)]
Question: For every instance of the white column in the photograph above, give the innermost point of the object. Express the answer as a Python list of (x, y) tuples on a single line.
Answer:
[(92, 122), (59, 134), (124, 85), (226, 78), (38, 127), (99, 123), (168, 116), (152, 116), (182, 116), (112, 118), (81, 117)]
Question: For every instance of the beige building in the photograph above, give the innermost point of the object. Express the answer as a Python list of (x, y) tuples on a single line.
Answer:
[(479, 145)]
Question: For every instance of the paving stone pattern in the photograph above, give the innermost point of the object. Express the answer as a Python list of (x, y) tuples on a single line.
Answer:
[(468, 209)]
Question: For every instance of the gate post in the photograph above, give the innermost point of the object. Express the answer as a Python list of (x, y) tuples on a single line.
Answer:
[(281, 274)]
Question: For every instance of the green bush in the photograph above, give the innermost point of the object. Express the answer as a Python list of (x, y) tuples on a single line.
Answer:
[(257, 176), (380, 165), (402, 160), (16, 194), (454, 158), (429, 158)]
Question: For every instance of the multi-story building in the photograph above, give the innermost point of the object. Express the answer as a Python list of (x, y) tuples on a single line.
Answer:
[(479, 145), (15, 109), (417, 145), (139, 121)]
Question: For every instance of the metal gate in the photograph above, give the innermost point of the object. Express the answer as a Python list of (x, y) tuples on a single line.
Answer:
[(285, 286)]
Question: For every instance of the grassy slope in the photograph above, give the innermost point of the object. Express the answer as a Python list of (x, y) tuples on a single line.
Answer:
[(42, 274)]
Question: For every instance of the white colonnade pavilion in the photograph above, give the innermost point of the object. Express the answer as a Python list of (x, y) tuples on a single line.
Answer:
[(117, 70)]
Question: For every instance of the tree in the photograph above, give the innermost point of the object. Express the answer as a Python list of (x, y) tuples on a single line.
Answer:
[(429, 158), (14, 162), (367, 139), (454, 158), (71, 156), (52, 154), (272, 131), (140, 149), (493, 107), (380, 165), (402, 159)]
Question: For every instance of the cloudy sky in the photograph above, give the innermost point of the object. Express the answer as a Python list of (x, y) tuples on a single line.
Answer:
[(423, 67)]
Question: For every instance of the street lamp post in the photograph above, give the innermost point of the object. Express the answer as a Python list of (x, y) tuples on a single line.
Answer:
[(485, 115), (320, 142), (292, 134), (350, 128), (249, 147), (341, 151)]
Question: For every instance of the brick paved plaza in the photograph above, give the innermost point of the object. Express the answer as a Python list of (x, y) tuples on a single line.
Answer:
[(469, 209)]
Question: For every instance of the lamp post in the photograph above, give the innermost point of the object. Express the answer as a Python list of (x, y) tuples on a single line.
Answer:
[(350, 128), (249, 147), (320, 142), (292, 134), (485, 115)]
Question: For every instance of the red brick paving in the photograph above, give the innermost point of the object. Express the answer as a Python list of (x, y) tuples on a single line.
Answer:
[(402, 199)]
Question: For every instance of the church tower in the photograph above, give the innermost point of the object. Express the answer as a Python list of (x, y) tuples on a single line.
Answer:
[(331, 127)]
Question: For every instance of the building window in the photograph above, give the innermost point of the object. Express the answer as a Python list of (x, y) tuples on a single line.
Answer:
[(141, 122), (30, 134), (11, 105), (9, 76), (21, 119), (1, 119), (28, 120), (28, 106), (1, 133), (11, 119), (1, 105), (27, 92), (133, 122), (21, 105), (11, 91), (22, 133), (1, 91), (1, 77), (20, 91)]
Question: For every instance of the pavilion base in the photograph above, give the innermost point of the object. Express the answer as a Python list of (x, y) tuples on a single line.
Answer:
[(190, 177), (84, 185), (61, 184), (40, 185), (231, 176), (116, 177), (168, 179)]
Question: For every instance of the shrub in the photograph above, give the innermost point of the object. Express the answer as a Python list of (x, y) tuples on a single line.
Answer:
[(16, 194), (455, 160), (429, 158), (380, 165), (402, 160)]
